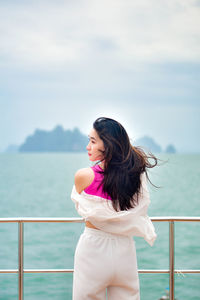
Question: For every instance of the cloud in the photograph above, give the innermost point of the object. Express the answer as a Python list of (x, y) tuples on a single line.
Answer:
[(61, 33)]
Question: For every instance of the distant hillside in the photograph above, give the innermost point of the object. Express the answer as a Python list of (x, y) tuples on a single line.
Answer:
[(170, 149), (149, 144), (57, 140), (12, 148)]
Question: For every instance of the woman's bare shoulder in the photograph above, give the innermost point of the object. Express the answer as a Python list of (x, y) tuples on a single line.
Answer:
[(83, 178)]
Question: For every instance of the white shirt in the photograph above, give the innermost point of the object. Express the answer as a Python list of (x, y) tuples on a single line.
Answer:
[(100, 212)]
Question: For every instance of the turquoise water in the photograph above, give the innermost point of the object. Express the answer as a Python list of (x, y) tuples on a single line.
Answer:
[(39, 185)]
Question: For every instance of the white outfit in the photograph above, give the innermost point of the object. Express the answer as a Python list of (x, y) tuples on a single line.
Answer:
[(106, 258)]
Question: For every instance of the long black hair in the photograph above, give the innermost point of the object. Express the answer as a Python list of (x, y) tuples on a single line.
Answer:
[(123, 164)]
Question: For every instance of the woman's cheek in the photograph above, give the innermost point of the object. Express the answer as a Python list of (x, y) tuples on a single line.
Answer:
[(96, 155), (99, 156)]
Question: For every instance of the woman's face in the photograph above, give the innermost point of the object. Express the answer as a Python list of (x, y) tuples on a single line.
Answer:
[(95, 146)]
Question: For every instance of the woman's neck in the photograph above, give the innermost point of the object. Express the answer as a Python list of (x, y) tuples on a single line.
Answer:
[(101, 165)]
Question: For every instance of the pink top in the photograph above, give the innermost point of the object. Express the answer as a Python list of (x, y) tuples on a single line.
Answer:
[(93, 189)]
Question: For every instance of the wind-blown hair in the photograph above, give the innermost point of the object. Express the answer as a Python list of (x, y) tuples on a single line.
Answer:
[(123, 164)]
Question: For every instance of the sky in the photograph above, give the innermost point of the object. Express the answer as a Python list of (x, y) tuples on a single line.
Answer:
[(69, 62)]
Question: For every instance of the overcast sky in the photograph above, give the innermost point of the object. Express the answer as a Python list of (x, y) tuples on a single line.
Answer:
[(69, 62)]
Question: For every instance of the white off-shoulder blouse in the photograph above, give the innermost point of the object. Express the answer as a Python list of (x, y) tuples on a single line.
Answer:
[(100, 212)]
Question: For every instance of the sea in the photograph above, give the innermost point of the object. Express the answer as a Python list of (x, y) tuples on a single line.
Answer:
[(40, 184)]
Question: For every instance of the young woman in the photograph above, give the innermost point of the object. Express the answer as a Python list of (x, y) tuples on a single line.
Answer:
[(112, 197)]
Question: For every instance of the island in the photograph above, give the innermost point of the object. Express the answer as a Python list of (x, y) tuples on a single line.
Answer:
[(56, 140)]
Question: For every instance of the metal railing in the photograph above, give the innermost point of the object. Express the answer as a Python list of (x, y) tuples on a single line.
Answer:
[(20, 271)]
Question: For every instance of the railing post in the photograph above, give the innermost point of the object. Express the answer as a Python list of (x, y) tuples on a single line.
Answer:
[(20, 259), (171, 260)]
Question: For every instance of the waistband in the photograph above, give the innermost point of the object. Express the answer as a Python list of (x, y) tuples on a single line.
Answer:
[(104, 234)]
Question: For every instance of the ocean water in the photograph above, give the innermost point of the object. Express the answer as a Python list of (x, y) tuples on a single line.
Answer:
[(39, 185)]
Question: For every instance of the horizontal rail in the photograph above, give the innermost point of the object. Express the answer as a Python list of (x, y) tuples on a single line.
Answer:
[(168, 271), (175, 219), (72, 270), (80, 220), (41, 220)]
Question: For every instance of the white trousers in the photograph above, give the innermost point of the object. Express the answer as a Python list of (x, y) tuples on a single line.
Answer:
[(105, 263)]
